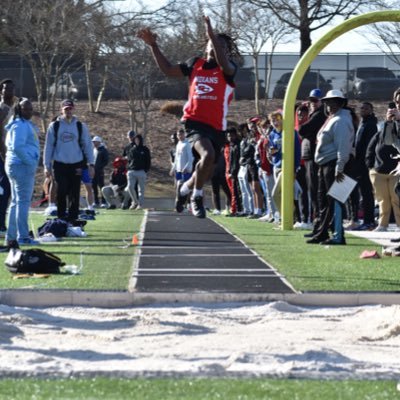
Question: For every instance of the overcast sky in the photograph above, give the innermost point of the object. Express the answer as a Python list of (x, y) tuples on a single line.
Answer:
[(351, 42)]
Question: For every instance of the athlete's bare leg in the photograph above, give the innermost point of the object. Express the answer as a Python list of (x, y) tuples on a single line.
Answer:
[(205, 166)]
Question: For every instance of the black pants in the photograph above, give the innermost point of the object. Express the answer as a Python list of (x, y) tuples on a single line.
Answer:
[(303, 209), (5, 197), (68, 179), (312, 185), (218, 182), (98, 183), (326, 177), (367, 193)]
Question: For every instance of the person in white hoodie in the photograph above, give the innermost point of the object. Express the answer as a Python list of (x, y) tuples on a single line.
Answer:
[(183, 163), (68, 150), (334, 146), (22, 158)]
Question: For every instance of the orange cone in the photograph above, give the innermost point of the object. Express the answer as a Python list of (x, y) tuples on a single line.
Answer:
[(135, 240)]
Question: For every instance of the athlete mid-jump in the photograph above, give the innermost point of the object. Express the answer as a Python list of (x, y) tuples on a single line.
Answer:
[(204, 114)]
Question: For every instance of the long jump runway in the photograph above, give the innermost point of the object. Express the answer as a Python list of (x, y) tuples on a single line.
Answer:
[(181, 253)]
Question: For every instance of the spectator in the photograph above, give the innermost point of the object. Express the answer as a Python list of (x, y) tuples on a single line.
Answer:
[(252, 168), (246, 157), (380, 160), (139, 162), (275, 156), (115, 193), (88, 185), (302, 205), (232, 155), (218, 182), (7, 104), (365, 132), (68, 150), (308, 134), (22, 157), (131, 136), (266, 175), (183, 164), (172, 151), (334, 146), (100, 162)]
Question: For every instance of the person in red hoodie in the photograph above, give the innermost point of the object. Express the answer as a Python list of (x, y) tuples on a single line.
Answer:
[(211, 86)]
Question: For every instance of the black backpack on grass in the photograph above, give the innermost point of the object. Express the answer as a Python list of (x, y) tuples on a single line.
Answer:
[(32, 261)]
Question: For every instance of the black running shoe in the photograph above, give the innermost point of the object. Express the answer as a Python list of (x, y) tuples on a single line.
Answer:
[(11, 244), (180, 200), (198, 209)]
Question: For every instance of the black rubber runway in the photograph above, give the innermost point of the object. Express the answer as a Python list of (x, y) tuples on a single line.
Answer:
[(182, 253)]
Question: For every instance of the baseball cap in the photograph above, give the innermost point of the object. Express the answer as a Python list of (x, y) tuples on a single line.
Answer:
[(6, 80), (254, 119), (97, 139), (131, 134), (315, 94), (334, 94), (67, 104)]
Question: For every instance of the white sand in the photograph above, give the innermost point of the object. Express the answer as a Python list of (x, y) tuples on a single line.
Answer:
[(270, 339)]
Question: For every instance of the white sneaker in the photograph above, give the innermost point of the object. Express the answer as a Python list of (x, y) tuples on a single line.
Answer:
[(380, 228), (265, 218), (50, 210), (302, 225), (216, 212)]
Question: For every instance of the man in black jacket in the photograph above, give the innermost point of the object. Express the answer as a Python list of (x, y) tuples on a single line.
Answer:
[(139, 162), (308, 133), (365, 132)]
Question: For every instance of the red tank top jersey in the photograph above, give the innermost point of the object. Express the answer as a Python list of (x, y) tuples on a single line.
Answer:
[(209, 96)]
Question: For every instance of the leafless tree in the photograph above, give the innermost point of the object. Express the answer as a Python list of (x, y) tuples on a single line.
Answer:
[(307, 16), (45, 33), (385, 34), (255, 28)]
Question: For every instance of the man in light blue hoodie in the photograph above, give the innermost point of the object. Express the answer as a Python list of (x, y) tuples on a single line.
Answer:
[(68, 149), (22, 158), (334, 147)]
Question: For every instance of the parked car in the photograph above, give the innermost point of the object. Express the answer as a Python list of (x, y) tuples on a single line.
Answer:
[(245, 85), (377, 83), (65, 88), (311, 80), (74, 86)]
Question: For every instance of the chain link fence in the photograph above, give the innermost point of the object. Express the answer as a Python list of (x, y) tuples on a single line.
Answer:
[(327, 71)]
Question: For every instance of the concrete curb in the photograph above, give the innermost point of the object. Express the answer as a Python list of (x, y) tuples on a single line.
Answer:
[(120, 299)]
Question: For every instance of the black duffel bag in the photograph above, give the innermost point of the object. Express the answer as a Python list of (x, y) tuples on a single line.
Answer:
[(32, 261)]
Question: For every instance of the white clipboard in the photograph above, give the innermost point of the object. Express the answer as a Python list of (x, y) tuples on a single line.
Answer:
[(341, 190)]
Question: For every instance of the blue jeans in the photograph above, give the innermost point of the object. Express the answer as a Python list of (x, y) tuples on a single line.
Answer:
[(22, 179)]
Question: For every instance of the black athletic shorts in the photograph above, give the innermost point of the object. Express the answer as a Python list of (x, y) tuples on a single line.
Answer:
[(253, 173), (197, 130)]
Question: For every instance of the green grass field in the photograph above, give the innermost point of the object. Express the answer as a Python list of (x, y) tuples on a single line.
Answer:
[(312, 267), (106, 254), (196, 389)]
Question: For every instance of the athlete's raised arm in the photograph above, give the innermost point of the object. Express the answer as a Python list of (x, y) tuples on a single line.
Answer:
[(217, 48), (168, 69)]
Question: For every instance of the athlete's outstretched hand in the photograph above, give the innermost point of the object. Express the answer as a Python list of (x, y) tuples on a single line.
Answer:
[(149, 37), (209, 29)]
